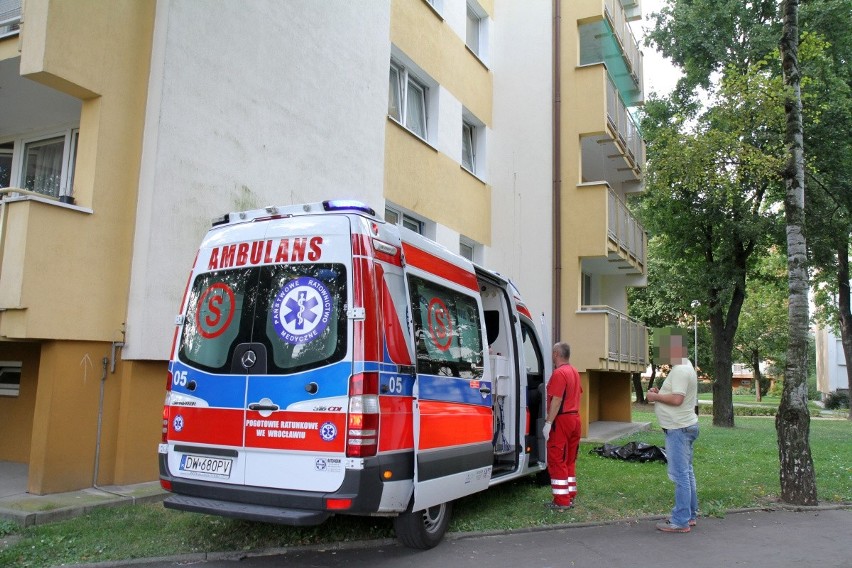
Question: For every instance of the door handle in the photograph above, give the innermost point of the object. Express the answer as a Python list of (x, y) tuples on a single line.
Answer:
[(259, 406), (485, 390)]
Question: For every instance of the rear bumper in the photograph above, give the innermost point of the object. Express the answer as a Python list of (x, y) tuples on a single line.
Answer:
[(247, 511), (296, 508)]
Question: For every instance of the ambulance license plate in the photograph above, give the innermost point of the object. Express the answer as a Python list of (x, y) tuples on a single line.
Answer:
[(220, 467)]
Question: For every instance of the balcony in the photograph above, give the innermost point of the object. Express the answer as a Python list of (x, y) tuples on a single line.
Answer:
[(606, 37), (612, 242), (627, 132), (612, 148), (627, 239), (612, 340)]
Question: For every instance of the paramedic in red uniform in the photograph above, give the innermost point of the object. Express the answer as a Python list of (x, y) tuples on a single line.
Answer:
[(562, 428)]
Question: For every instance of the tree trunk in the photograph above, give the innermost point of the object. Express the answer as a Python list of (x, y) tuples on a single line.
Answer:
[(792, 423), (637, 386), (755, 363), (844, 306), (723, 402), (653, 376)]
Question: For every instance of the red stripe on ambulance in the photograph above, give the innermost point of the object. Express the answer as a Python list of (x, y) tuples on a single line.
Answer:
[(439, 267)]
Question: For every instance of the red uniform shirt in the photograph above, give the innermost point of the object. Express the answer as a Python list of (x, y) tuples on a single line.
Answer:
[(565, 384)]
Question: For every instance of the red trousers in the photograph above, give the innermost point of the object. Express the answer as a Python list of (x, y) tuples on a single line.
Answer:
[(562, 447)]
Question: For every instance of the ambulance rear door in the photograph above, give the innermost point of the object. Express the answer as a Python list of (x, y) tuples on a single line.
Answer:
[(453, 403), (263, 364), (297, 387)]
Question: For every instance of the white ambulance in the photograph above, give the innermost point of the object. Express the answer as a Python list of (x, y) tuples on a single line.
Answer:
[(326, 362)]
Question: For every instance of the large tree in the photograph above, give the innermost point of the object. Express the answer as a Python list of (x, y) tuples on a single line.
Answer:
[(798, 480), (827, 101), (711, 179)]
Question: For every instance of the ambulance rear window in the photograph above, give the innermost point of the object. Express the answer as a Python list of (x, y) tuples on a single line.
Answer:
[(296, 311)]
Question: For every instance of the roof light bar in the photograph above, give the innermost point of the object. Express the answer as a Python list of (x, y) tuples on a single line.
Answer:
[(347, 205)]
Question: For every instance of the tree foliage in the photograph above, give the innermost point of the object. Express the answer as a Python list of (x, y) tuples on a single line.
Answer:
[(711, 182), (762, 333)]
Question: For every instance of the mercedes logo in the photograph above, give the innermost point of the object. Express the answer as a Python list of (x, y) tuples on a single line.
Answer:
[(249, 359)]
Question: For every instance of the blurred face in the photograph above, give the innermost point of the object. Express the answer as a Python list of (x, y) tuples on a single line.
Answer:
[(676, 349)]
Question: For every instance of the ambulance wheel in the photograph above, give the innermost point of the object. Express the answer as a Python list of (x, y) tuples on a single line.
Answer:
[(423, 529)]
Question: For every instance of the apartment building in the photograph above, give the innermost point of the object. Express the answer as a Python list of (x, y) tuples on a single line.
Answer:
[(500, 129)]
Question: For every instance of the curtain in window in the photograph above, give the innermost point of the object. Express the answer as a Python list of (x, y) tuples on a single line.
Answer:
[(43, 166), (394, 95), (415, 118)]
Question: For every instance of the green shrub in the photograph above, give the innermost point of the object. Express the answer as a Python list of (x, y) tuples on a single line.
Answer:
[(705, 387), (837, 400)]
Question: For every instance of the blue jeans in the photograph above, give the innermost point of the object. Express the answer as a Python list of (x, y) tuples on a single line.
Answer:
[(679, 444)]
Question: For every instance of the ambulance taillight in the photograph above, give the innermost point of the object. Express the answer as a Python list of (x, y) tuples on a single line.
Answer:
[(362, 432), (165, 435)]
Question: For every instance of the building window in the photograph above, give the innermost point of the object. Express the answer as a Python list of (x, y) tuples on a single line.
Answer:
[(466, 248), (407, 100), (6, 150), (587, 289), (468, 152), (395, 217), (10, 378), (42, 165), (42, 170), (473, 31)]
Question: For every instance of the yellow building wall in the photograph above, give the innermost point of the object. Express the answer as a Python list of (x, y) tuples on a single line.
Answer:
[(64, 432), (422, 179), (16, 413), (99, 52), (439, 51), (140, 423)]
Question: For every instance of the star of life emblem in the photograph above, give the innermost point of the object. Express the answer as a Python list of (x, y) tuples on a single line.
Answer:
[(302, 310)]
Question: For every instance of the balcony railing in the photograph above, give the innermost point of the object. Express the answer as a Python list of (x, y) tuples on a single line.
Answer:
[(629, 46), (627, 339), (628, 133), (10, 17), (624, 230)]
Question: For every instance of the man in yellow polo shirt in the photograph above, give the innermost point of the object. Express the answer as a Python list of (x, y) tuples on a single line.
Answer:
[(674, 404)]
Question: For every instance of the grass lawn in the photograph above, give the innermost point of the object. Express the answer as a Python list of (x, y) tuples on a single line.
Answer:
[(736, 468)]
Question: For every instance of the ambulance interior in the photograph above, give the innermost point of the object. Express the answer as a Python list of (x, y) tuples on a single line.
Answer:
[(514, 406)]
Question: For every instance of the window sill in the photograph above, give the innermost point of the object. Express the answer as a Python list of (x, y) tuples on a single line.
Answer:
[(434, 10), (412, 133), (14, 195), (473, 175), (476, 56)]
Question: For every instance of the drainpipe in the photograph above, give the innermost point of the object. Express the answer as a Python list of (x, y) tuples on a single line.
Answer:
[(557, 170), (105, 362)]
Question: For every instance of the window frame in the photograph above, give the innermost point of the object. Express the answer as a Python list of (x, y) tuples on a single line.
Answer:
[(469, 146), (473, 37), (403, 219), (406, 82), (10, 389), (70, 142)]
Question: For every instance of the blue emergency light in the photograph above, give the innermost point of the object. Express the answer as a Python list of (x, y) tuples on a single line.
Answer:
[(347, 205)]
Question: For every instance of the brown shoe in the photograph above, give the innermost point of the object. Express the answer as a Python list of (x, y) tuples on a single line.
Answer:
[(667, 526)]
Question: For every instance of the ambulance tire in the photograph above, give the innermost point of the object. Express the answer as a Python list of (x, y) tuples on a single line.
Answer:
[(423, 529)]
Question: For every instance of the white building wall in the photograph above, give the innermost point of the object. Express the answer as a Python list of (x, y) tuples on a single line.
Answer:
[(250, 104), (520, 150), (831, 362)]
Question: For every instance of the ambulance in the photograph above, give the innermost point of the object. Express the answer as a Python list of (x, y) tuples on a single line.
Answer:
[(326, 362)]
